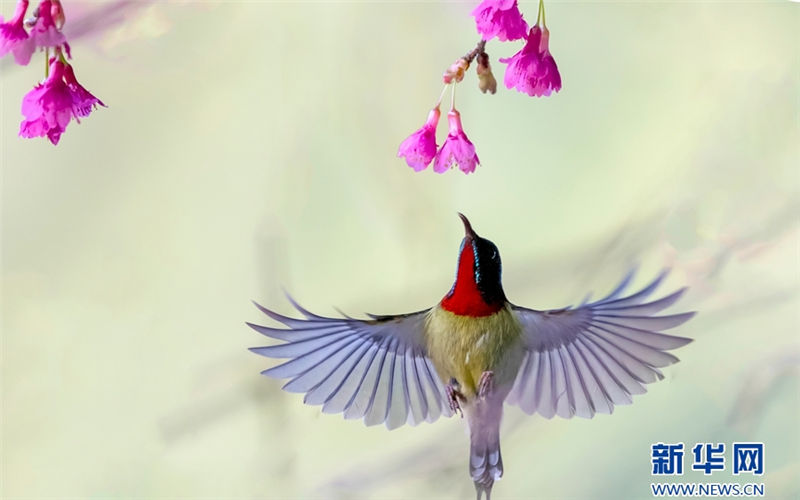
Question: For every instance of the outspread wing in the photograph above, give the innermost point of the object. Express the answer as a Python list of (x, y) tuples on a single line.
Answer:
[(376, 368), (585, 360)]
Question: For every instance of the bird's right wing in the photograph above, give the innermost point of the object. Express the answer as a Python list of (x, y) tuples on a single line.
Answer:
[(585, 360), (376, 369)]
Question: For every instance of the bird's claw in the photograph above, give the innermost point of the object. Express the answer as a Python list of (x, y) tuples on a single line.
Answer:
[(453, 395), (485, 384)]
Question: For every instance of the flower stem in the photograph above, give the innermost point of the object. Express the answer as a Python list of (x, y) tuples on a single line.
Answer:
[(541, 14), (439, 101), (479, 49), (60, 54), (453, 98), (46, 62)]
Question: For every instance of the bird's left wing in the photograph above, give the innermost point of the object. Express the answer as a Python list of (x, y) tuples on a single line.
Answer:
[(377, 369), (585, 360)]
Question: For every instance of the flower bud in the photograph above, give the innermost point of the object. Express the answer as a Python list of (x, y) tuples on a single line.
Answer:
[(486, 80), (57, 12), (455, 73)]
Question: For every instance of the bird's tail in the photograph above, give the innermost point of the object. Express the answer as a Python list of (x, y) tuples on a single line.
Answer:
[(485, 462)]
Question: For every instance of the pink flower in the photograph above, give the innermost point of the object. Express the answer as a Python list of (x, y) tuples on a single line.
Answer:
[(51, 105), (457, 150), (420, 147), (533, 70), (48, 108), (14, 38), (83, 102), (501, 19), (57, 13), (45, 33)]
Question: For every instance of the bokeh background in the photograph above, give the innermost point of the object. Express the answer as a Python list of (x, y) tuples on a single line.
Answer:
[(250, 146)]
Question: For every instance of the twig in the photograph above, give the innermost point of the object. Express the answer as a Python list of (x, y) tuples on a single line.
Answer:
[(479, 49)]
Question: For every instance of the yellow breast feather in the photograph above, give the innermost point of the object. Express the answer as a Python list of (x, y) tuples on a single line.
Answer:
[(463, 347)]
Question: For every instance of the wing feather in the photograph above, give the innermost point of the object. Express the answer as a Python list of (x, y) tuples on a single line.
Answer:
[(648, 308), (596, 393), (637, 297), (643, 353), (378, 405), (521, 382), (315, 375), (614, 389), (530, 397), (327, 387), (584, 406), (301, 364), (565, 404), (651, 323), (376, 369), (340, 399), (630, 364), (398, 404), (361, 400), (418, 402), (582, 361), (547, 398), (302, 347), (434, 391)]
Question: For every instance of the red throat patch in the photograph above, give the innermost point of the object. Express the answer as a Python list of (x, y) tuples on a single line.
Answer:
[(465, 299)]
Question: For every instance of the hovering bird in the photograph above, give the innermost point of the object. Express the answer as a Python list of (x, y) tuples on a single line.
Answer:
[(474, 351)]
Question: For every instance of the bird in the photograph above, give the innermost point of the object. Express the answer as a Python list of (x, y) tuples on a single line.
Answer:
[(474, 352)]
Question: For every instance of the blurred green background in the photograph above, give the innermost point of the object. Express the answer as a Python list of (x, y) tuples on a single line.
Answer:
[(250, 146)]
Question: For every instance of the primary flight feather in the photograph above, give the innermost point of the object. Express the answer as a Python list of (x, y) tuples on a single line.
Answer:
[(474, 351)]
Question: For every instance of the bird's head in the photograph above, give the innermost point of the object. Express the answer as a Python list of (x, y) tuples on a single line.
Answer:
[(478, 289)]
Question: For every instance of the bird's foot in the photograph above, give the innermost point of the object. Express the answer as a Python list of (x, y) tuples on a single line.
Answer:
[(485, 384), (453, 395)]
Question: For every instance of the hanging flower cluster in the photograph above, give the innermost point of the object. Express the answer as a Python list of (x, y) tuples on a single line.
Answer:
[(420, 148), (53, 103), (532, 70)]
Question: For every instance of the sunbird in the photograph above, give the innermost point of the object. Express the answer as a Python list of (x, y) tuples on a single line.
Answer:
[(474, 351)]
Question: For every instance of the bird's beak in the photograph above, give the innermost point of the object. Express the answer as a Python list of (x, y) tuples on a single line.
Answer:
[(468, 232)]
